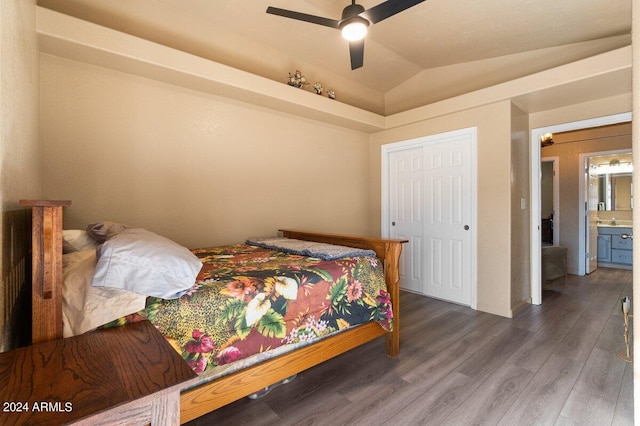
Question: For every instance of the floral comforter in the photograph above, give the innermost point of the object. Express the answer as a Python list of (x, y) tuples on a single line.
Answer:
[(249, 300)]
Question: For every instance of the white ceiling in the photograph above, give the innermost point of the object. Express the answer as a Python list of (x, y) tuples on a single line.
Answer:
[(432, 51)]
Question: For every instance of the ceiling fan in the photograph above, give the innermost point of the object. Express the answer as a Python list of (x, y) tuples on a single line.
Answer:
[(354, 22)]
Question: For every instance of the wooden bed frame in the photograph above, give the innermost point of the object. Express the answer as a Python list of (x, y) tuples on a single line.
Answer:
[(195, 402)]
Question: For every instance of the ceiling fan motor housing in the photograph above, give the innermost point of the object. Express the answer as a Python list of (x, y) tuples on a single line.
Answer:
[(352, 10)]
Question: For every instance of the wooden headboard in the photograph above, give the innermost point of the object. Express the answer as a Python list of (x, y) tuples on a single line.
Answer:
[(15, 308), (46, 246)]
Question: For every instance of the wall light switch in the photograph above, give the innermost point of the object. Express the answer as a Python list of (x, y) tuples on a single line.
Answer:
[(523, 203)]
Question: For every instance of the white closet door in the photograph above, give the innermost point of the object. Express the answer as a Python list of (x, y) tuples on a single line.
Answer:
[(431, 205), (448, 220), (407, 213)]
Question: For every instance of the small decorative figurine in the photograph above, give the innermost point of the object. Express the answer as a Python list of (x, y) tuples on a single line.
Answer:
[(331, 94), (297, 80), (318, 88)]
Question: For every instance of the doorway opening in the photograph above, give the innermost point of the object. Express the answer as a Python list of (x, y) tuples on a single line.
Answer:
[(535, 209), (607, 201)]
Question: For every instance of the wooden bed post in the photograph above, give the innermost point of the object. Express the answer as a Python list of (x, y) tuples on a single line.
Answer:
[(46, 247), (392, 277)]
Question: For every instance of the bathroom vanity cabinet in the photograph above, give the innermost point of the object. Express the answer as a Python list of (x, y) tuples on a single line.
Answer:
[(613, 249)]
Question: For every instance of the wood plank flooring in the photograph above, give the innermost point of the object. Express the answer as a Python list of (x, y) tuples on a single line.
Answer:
[(554, 364)]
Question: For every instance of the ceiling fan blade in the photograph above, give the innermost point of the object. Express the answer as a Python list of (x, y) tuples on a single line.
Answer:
[(304, 17), (388, 8), (356, 51)]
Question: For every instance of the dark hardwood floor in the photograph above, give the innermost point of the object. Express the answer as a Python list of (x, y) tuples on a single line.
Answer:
[(554, 364)]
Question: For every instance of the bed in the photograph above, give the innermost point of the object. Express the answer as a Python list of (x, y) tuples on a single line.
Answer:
[(47, 312)]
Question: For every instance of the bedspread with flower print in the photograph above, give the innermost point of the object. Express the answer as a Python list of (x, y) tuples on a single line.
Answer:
[(248, 300)]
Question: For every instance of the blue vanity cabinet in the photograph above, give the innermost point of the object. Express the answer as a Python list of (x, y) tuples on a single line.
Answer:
[(612, 248), (604, 248)]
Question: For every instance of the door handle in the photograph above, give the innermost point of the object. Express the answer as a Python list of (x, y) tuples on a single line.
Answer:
[(393, 224), (466, 227)]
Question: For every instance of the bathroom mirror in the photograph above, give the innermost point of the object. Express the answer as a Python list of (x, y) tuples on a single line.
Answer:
[(615, 192)]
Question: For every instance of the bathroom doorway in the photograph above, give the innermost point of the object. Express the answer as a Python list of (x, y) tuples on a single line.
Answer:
[(608, 209)]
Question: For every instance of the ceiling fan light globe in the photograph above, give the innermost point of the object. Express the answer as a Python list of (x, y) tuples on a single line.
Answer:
[(354, 30)]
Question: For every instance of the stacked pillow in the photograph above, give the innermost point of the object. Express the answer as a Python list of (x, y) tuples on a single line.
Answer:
[(84, 307), (138, 260), (74, 240), (111, 268)]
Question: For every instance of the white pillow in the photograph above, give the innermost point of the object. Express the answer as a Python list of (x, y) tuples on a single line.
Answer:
[(84, 307), (77, 240), (143, 262)]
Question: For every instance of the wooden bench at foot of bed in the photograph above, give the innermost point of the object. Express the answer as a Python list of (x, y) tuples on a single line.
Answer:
[(195, 402)]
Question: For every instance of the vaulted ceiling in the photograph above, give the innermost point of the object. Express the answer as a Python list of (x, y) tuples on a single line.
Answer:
[(433, 51)]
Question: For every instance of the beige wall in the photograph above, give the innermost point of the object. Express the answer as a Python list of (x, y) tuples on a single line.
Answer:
[(494, 197), (581, 111), (19, 91), (196, 168), (520, 211), (19, 154), (568, 148), (190, 166), (187, 165)]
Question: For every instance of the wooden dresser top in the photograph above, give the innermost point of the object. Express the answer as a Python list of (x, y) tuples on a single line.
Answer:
[(66, 380)]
